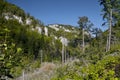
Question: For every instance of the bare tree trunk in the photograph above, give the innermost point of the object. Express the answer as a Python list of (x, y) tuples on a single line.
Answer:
[(41, 56), (83, 45), (65, 55), (23, 75), (107, 45), (62, 53), (110, 26)]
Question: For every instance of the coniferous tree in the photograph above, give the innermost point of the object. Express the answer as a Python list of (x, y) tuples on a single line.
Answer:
[(85, 25), (110, 11)]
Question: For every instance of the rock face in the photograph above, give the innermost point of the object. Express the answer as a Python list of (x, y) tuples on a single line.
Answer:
[(58, 35), (64, 41), (46, 31), (18, 18), (54, 26), (28, 21), (63, 32), (39, 29), (8, 16)]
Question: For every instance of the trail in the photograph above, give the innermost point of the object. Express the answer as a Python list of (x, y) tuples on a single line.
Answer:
[(45, 72)]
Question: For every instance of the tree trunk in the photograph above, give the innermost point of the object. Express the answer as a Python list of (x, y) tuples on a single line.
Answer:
[(83, 45), (110, 26), (62, 53), (23, 75), (107, 44), (41, 56), (65, 54)]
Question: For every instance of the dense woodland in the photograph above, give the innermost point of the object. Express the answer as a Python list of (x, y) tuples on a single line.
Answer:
[(90, 53)]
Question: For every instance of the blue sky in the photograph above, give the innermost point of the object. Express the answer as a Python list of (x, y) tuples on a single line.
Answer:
[(62, 11)]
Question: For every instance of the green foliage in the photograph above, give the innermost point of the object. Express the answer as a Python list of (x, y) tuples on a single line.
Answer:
[(35, 64), (108, 5), (68, 72), (8, 53), (21, 48), (104, 69), (16, 71)]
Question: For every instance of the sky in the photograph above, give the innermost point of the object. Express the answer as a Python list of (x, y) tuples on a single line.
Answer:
[(62, 11)]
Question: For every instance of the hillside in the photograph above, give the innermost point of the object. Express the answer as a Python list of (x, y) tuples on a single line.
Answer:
[(27, 42), (28, 47)]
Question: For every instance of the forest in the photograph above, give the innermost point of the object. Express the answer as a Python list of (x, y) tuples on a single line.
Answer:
[(31, 50)]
